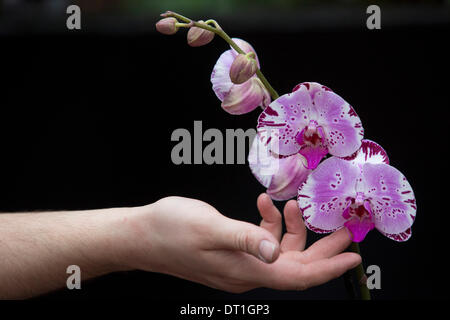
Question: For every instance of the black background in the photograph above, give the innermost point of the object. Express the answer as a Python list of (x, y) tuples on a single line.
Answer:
[(86, 121)]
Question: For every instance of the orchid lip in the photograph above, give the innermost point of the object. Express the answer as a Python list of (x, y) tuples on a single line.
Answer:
[(359, 217)]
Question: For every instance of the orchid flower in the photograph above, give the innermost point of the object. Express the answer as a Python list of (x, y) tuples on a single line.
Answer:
[(281, 175), (238, 98), (360, 192), (313, 121)]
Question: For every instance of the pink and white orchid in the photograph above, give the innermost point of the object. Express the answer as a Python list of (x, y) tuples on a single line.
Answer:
[(313, 121), (360, 192), (281, 175), (238, 98)]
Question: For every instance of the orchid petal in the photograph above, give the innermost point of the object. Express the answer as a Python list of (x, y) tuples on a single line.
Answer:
[(243, 98), (311, 87), (326, 194), (282, 176), (392, 198), (220, 76), (369, 152), (287, 115), (400, 237), (340, 122)]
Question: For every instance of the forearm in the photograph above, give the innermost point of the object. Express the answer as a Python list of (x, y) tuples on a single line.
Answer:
[(37, 248)]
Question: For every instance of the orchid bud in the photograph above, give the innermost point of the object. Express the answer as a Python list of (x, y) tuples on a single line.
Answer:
[(167, 26), (243, 68), (198, 37)]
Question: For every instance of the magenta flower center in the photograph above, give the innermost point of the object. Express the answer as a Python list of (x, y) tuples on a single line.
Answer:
[(359, 217), (359, 211), (359, 207), (310, 135)]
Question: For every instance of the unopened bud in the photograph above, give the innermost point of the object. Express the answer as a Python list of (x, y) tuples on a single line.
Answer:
[(167, 25), (197, 37), (243, 68)]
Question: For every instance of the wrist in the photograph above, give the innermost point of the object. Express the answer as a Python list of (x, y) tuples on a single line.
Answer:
[(133, 244)]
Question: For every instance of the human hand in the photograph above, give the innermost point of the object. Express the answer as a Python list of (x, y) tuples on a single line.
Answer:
[(190, 239)]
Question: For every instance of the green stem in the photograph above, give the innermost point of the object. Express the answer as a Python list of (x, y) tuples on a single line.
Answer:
[(219, 31), (349, 286), (360, 274), (266, 83)]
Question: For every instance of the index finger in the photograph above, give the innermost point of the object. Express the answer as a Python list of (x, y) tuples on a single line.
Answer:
[(324, 270), (271, 216), (328, 246)]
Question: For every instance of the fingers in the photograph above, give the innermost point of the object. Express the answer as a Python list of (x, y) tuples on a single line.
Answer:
[(290, 274), (328, 246), (324, 270), (242, 236), (295, 237), (270, 214)]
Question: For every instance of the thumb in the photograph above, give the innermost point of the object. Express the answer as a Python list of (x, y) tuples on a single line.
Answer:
[(243, 236)]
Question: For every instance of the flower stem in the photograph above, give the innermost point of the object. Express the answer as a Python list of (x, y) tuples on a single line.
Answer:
[(266, 83), (348, 282), (360, 274), (219, 31)]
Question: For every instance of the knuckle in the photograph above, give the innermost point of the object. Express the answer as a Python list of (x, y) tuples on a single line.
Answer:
[(242, 240)]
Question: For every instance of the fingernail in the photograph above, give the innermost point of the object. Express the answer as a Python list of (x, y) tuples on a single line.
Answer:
[(266, 250)]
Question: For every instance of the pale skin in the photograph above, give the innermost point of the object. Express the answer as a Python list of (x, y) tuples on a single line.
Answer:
[(182, 237)]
